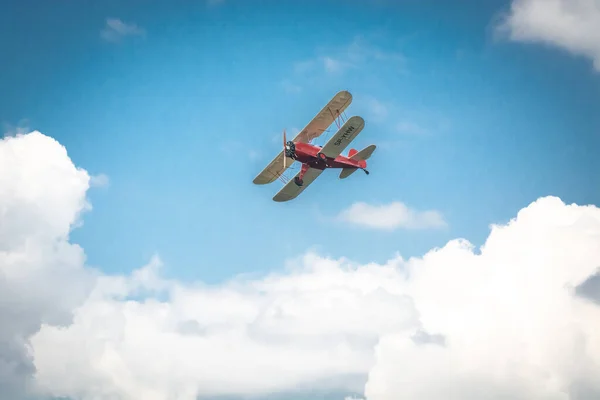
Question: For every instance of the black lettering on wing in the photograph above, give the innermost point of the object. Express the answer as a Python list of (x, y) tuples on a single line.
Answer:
[(344, 136)]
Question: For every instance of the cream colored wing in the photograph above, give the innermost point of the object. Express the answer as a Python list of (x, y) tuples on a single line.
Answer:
[(315, 128), (347, 133)]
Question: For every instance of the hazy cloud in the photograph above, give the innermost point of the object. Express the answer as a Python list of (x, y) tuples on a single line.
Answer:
[(410, 127), (289, 87), (357, 54), (115, 30), (100, 180)]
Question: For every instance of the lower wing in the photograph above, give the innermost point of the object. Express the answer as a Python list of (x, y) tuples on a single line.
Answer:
[(291, 190)]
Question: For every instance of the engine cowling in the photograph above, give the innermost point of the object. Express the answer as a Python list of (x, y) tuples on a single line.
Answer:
[(290, 150)]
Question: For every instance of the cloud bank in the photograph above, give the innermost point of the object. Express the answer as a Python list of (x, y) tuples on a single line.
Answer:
[(505, 322)]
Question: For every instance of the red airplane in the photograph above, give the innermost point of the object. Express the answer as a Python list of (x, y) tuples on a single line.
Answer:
[(315, 159)]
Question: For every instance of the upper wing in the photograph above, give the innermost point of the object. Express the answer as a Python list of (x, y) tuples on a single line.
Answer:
[(314, 129), (343, 137), (291, 190), (336, 106)]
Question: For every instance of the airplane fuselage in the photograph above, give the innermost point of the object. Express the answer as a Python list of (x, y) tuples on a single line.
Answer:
[(309, 154)]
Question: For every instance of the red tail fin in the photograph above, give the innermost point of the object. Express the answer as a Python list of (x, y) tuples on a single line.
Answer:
[(352, 152)]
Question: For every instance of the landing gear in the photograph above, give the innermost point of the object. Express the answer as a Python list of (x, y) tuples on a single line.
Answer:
[(366, 172), (298, 180)]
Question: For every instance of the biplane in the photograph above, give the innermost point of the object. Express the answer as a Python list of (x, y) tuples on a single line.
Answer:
[(315, 159)]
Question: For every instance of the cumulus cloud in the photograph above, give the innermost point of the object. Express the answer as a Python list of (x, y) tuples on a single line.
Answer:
[(42, 195), (573, 25), (512, 324), (391, 216), (115, 30), (505, 322)]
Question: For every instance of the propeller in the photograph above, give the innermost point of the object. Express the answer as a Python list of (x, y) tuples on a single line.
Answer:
[(284, 156)]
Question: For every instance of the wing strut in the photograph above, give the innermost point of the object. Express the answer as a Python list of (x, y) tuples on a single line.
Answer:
[(339, 119)]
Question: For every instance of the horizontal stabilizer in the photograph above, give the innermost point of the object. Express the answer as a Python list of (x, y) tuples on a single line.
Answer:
[(346, 172), (364, 154)]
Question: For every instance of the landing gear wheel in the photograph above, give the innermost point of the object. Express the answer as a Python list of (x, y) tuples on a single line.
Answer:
[(298, 181), (366, 172), (322, 156)]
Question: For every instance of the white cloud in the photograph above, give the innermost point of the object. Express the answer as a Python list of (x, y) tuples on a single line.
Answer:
[(115, 30), (573, 25), (391, 216), (504, 323)]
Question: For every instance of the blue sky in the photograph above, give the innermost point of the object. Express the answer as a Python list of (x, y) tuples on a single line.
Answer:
[(186, 108), (482, 112)]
